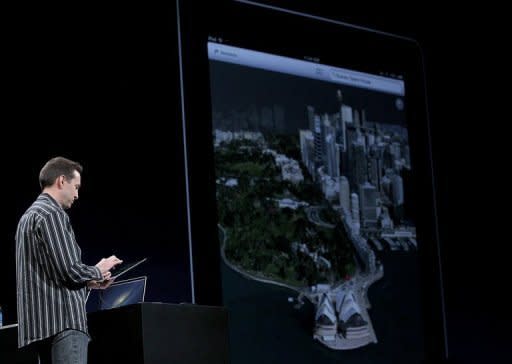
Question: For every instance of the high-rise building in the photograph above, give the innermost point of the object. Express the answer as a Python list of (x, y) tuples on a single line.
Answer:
[(397, 186), (310, 115), (357, 120), (318, 143), (344, 194), (347, 114), (386, 186), (306, 149), (368, 202), (332, 157), (388, 158), (359, 165), (345, 118), (356, 220), (347, 156), (395, 150), (374, 167)]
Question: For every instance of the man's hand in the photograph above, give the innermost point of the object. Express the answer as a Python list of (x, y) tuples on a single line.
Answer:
[(99, 285), (106, 264)]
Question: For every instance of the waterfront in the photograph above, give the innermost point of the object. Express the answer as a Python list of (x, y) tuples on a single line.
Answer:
[(266, 328)]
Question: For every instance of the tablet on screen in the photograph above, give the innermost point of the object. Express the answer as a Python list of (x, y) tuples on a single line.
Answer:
[(311, 198)]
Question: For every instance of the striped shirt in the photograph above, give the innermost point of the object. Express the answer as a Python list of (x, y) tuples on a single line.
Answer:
[(50, 276)]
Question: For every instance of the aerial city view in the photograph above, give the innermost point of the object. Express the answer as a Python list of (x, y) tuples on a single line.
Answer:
[(314, 208)]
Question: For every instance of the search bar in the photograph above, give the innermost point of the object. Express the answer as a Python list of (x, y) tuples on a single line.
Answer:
[(365, 80)]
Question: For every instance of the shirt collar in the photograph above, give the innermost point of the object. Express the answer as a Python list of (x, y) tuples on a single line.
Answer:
[(46, 197)]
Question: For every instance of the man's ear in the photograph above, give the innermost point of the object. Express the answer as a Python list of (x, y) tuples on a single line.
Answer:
[(60, 181)]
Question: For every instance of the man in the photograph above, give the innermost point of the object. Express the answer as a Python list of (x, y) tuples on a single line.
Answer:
[(51, 279)]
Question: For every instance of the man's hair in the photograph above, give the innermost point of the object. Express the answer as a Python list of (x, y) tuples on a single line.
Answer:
[(57, 167)]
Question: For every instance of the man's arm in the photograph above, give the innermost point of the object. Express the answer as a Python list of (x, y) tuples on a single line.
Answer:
[(63, 251)]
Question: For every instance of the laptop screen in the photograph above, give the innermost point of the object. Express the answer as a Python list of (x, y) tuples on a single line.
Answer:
[(120, 293)]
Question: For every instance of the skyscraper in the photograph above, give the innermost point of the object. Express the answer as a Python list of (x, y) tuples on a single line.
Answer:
[(356, 220), (344, 194), (332, 156), (368, 202), (306, 149), (359, 166), (397, 186), (318, 143)]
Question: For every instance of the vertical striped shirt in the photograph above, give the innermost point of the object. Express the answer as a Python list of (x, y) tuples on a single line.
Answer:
[(50, 276)]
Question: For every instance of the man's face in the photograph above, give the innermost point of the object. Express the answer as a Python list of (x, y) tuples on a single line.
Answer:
[(70, 190)]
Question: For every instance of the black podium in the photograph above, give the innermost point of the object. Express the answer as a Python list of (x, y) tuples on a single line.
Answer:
[(159, 333), (146, 333)]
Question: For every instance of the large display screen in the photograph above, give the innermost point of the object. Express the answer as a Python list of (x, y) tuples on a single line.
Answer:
[(310, 187)]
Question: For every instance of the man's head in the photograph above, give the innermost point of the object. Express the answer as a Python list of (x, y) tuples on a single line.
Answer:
[(60, 178)]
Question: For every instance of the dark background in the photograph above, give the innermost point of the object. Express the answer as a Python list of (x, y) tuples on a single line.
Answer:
[(100, 85)]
